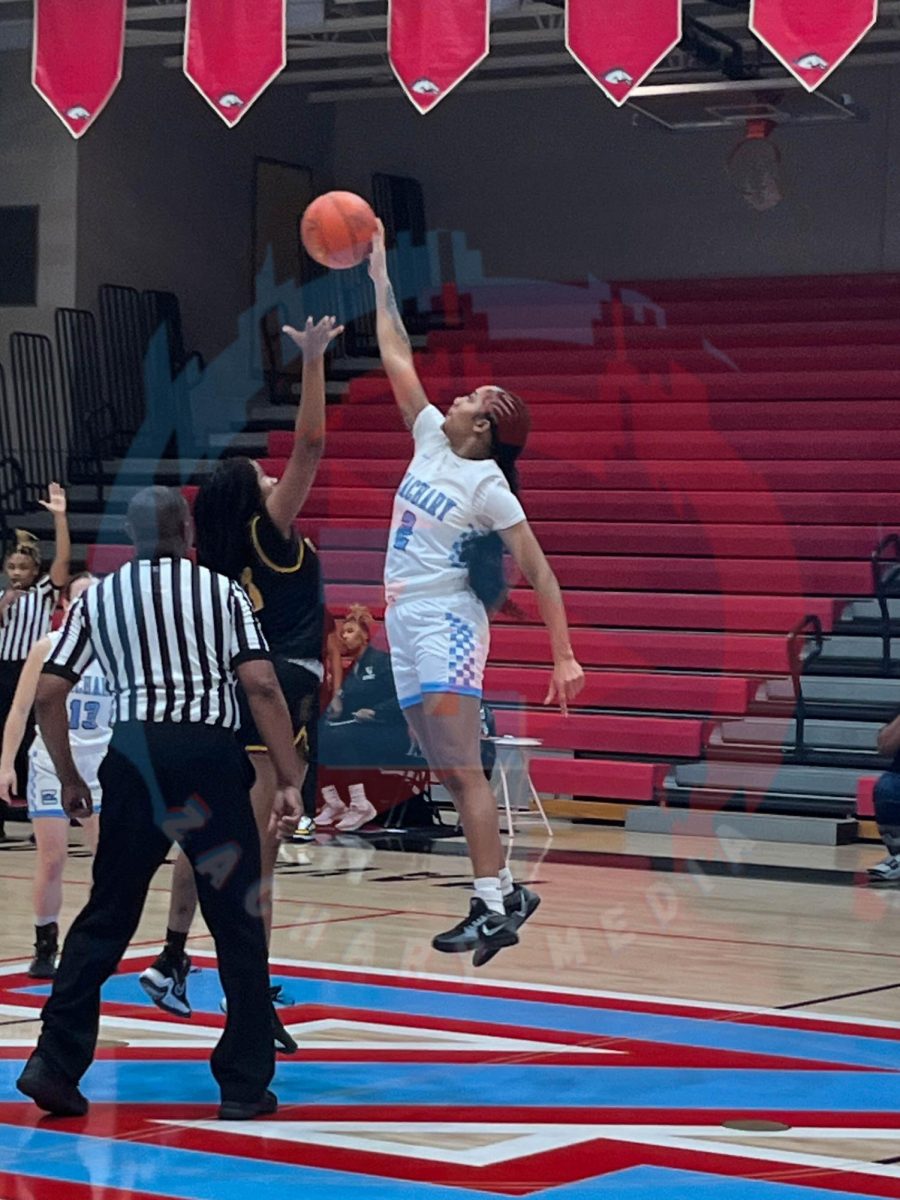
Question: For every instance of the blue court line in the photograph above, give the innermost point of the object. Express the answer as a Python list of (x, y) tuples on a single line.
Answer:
[(193, 1174), (442, 1085), (654, 1183), (197, 1175), (702, 1032)]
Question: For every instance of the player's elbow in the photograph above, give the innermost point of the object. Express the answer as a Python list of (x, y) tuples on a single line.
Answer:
[(310, 444), (259, 681)]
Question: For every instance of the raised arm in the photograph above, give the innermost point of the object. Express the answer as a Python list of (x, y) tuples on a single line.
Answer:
[(60, 568), (568, 677), (393, 341), (17, 720), (309, 429)]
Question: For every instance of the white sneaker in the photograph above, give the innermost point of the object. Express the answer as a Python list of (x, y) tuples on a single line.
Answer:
[(334, 808), (358, 814), (886, 871), (305, 831)]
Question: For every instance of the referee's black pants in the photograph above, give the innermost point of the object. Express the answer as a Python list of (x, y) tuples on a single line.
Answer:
[(164, 783)]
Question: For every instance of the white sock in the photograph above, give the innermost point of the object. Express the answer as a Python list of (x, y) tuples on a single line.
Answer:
[(358, 797), (40, 922), (507, 883), (488, 890)]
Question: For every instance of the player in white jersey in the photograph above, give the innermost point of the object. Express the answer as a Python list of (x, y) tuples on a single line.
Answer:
[(91, 716), (454, 512)]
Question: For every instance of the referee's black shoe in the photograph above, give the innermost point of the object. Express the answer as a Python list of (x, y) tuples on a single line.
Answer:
[(482, 927), (246, 1110), (50, 1090)]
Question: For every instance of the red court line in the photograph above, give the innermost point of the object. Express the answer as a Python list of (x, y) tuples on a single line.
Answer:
[(552, 1168), (111, 1119), (663, 1006)]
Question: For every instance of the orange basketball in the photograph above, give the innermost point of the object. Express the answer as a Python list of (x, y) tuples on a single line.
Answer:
[(337, 229)]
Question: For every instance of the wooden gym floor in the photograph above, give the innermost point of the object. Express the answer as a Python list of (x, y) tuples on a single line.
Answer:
[(682, 1017)]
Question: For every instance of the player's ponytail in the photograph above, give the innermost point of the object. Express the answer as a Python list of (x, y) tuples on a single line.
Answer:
[(484, 555)]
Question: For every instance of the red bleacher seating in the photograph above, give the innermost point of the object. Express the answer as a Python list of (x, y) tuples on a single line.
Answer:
[(640, 507), (699, 488), (766, 576), (602, 733), (594, 777), (669, 479), (720, 695)]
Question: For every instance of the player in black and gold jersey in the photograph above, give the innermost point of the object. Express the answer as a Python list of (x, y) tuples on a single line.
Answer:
[(245, 530)]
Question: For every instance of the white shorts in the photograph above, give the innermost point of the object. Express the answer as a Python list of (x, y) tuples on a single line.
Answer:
[(438, 645), (45, 793)]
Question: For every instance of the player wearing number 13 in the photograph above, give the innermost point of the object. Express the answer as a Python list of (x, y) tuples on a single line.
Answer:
[(90, 709)]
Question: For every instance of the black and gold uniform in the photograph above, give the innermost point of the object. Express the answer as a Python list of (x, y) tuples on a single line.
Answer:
[(284, 582)]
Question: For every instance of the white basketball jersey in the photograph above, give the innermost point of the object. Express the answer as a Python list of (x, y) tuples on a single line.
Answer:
[(443, 500), (90, 706)]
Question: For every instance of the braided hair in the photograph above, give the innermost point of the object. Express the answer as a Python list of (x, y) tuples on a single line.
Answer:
[(226, 503)]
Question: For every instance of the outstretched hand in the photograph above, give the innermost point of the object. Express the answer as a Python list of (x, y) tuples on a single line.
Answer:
[(314, 339), (56, 502), (565, 684), (378, 271)]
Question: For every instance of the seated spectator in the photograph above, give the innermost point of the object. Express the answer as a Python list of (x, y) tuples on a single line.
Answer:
[(887, 806), (364, 726)]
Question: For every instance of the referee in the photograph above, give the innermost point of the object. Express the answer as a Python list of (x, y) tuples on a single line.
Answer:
[(26, 610), (169, 636)]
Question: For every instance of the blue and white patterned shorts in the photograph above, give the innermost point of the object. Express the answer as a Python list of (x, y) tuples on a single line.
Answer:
[(437, 645)]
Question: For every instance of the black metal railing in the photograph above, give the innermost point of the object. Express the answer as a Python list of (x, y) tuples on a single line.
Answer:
[(799, 655), (13, 496), (42, 433), (123, 321), (92, 419), (886, 584)]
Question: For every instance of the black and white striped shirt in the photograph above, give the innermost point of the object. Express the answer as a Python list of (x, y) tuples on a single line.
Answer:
[(168, 635), (27, 621)]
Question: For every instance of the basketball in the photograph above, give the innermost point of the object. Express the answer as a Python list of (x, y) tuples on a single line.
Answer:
[(337, 229)]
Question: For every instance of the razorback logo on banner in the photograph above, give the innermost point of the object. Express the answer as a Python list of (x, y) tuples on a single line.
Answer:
[(433, 46), (619, 42), (233, 51), (812, 37), (78, 50)]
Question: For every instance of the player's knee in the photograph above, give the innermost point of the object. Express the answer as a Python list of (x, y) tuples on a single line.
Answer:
[(52, 861), (459, 781)]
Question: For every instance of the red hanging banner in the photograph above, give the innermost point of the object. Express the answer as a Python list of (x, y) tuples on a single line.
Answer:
[(77, 57), (812, 37), (233, 50), (619, 42), (434, 44)]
